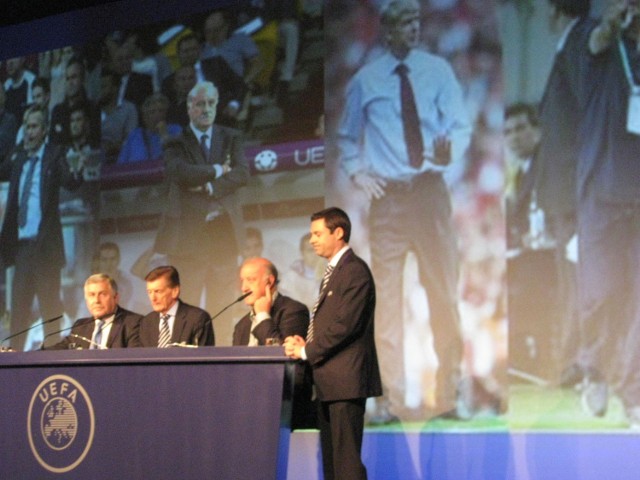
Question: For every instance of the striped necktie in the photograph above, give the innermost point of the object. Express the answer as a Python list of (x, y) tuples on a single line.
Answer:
[(165, 333), (325, 281)]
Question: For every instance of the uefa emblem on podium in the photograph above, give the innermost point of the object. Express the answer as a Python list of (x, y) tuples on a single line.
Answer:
[(60, 423)]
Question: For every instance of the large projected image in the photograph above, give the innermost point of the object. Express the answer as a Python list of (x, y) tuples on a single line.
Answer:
[(572, 209), (414, 139), (107, 113)]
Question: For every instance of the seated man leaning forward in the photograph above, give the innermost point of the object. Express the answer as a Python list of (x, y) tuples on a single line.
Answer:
[(172, 321), (110, 325)]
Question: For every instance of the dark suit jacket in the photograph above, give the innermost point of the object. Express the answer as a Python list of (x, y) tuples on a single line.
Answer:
[(187, 170), (54, 174), (288, 317), (342, 354), (517, 207), (560, 114), (192, 325), (124, 329)]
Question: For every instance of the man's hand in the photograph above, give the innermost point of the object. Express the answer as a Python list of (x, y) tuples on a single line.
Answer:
[(263, 304), (441, 151), (373, 186), (293, 346)]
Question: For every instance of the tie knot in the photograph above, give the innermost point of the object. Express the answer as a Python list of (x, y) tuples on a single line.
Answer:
[(164, 317), (401, 69), (99, 322)]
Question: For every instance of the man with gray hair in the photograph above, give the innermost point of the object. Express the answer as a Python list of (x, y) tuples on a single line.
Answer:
[(403, 123), (204, 167), (109, 326)]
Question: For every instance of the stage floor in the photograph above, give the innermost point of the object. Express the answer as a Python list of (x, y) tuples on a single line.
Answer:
[(545, 436)]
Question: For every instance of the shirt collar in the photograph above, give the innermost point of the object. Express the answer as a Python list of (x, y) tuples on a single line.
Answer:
[(336, 258), (199, 133)]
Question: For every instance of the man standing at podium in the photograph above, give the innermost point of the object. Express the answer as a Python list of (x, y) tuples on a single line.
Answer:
[(340, 347), (172, 321), (110, 326)]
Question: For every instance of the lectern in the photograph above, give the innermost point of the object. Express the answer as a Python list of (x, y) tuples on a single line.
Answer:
[(187, 413)]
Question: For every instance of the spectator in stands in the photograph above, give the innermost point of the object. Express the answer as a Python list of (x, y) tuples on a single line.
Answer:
[(145, 142), (119, 119), (17, 87), (41, 93), (184, 80), (75, 96), (231, 87), (134, 87), (238, 49), (8, 128)]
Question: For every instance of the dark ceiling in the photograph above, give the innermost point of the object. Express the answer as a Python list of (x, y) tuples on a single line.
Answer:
[(26, 10)]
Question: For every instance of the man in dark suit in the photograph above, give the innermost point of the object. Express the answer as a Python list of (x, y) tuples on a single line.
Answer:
[(274, 317), (110, 326), (340, 346), (31, 237), (172, 321), (204, 167), (557, 157), (608, 214)]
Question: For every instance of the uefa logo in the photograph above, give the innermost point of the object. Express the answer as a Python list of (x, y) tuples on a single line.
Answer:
[(266, 160), (60, 423)]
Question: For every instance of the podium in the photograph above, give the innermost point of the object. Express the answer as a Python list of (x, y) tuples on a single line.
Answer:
[(188, 413)]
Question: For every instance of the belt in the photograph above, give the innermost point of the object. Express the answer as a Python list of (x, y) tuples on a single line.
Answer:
[(406, 186)]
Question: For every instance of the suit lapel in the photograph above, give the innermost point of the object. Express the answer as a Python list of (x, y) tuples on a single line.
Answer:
[(178, 324), (116, 326)]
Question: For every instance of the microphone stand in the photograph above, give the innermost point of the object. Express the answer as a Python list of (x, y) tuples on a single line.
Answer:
[(53, 333), (44, 322), (239, 299)]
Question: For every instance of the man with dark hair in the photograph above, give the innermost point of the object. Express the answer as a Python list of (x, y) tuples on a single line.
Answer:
[(31, 236), (172, 321), (403, 123), (74, 96), (41, 95), (340, 347), (556, 158), (521, 137), (110, 325)]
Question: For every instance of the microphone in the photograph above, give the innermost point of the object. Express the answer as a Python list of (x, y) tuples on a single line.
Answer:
[(89, 341), (239, 299), (53, 333), (44, 322)]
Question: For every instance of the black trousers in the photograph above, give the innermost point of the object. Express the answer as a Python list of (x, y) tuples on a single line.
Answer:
[(341, 430)]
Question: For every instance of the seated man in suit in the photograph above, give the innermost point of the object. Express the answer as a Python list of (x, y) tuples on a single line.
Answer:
[(274, 317), (110, 326), (172, 321)]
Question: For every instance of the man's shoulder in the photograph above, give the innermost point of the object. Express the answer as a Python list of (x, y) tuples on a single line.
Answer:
[(82, 322), (284, 301), (191, 310), (125, 314)]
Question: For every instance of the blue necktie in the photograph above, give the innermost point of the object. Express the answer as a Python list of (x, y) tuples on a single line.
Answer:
[(97, 336), (30, 164)]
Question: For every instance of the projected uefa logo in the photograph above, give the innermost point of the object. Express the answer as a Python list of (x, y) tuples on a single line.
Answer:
[(60, 423), (266, 161)]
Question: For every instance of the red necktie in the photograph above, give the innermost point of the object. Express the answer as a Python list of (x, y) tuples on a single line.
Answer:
[(410, 120)]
